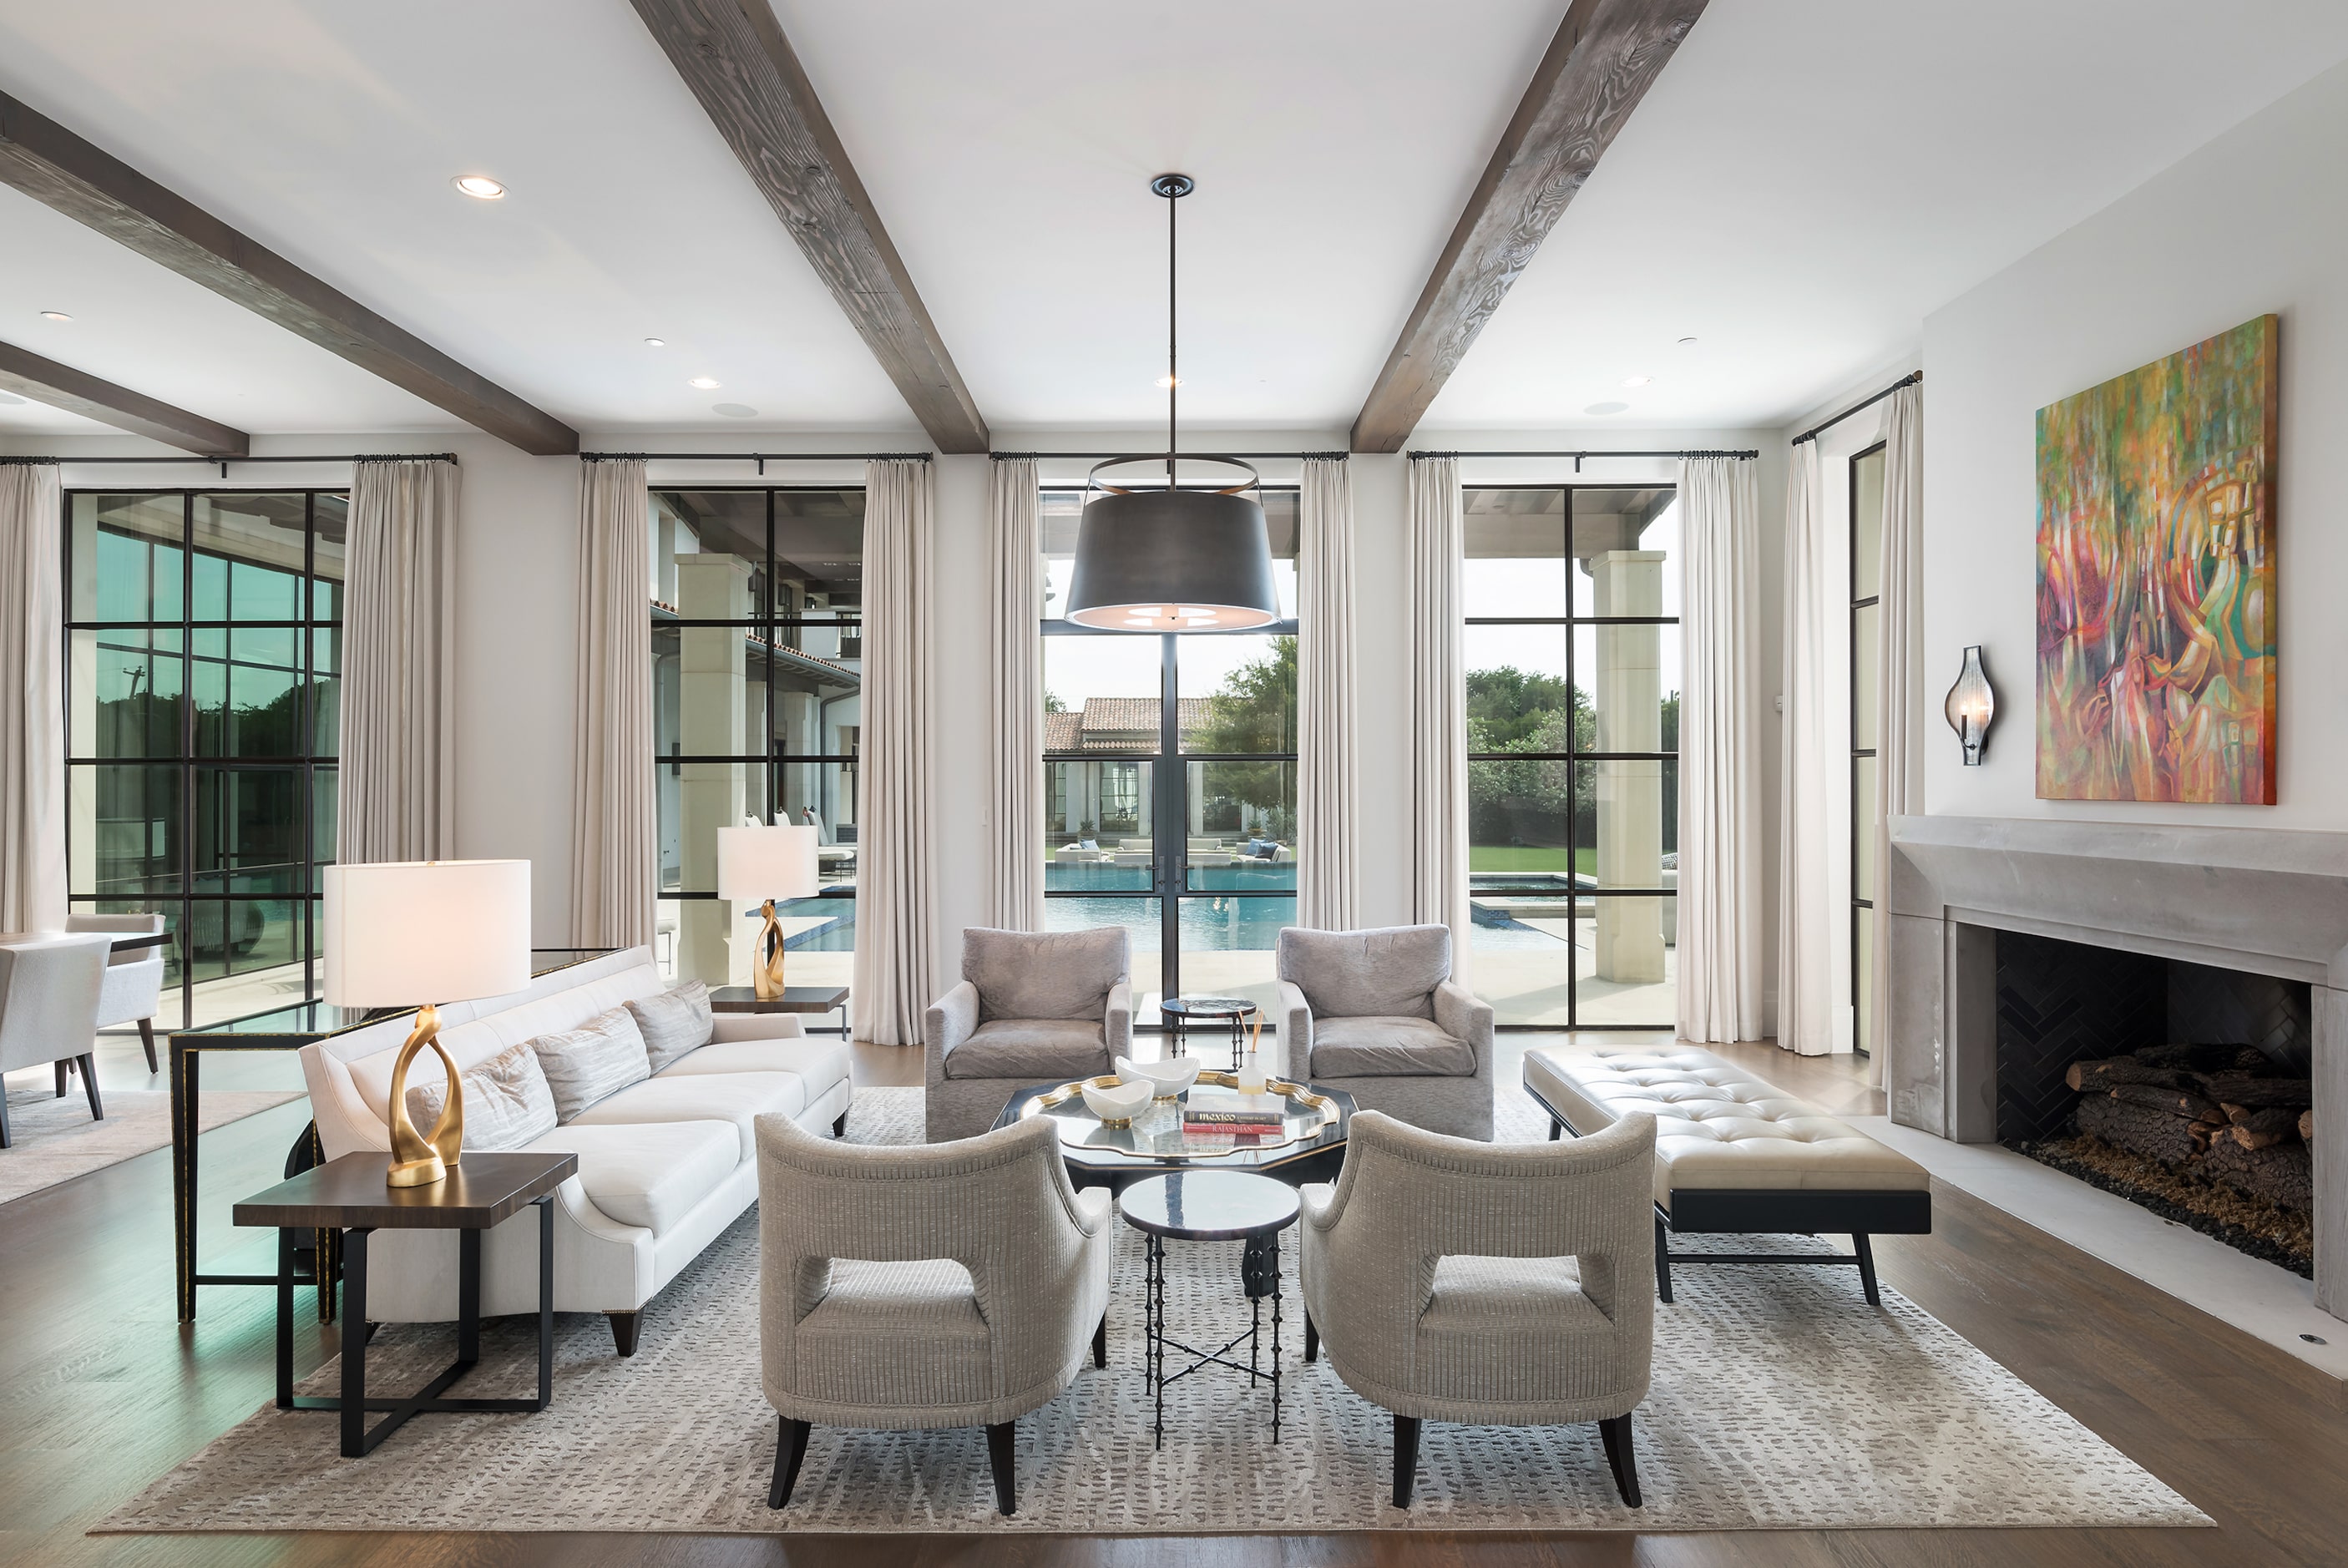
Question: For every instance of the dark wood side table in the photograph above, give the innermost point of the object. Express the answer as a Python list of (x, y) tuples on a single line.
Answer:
[(815, 999), (1212, 1206), (349, 1195)]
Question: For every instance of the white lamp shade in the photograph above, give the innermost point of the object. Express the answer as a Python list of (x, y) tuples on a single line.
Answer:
[(405, 933), (758, 863)]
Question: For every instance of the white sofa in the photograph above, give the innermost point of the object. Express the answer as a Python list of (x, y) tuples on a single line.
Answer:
[(664, 1165)]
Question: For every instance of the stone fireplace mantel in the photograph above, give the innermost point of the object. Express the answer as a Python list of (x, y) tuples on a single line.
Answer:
[(2263, 901)]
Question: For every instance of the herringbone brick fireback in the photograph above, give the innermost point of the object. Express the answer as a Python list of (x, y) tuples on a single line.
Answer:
[(2058, 1003)]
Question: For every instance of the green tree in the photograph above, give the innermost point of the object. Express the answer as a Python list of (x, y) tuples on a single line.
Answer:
[(1254, 712), (1052, 703), (1511, 704)]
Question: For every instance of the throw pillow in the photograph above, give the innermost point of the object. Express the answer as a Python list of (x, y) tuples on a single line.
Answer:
[(673, 1023), (508, 1104), (592, 1062)]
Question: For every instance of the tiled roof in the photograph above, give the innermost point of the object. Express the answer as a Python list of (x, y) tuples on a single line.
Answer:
[(1123, 725)]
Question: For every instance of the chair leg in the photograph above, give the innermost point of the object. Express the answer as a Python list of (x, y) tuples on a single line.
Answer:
[(1000, 1454), (624, 1331), (1556, 1129), (147, 1039), (839, 1125), (1865, 1252), (1663, 1261), (1405, 1458), (1620, 1460), (1312, 1339), (1100, 1341), (89, 1087), (65, 1074), (790, 1447), (5, 1141)]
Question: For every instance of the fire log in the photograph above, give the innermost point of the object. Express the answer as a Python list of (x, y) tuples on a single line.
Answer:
[(2158, 1135), (2307, 1124), (2258, 1093), (2175, 1102), (2094, 1077), (2284, 1174)]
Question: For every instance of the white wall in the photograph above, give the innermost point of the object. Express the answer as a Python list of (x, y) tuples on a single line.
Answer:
[(2257, 221)]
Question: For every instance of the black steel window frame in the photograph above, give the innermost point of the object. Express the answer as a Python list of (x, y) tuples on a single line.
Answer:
[(1861, 909), (179, 909), (1169, 787), (772, 759), (1569, 624)]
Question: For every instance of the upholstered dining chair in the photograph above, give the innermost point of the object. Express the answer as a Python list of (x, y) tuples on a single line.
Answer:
[(132, 987), (941, 1284), (1376, 1013), (1494, 1285), (49, 987), (1032, 1008)]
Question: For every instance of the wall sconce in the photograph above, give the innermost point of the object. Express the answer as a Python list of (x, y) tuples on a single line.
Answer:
[(1972, 706)]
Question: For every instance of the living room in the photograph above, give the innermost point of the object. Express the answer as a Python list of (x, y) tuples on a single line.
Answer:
[(1637, 658)]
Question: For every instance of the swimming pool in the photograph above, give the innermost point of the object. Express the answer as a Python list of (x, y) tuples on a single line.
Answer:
[(1207, 924)]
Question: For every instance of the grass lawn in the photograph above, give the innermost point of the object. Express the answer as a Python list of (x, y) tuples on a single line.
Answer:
[(1505, 857)]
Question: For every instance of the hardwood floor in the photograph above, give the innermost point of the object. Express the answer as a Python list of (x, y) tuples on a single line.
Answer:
[(101, 1390)]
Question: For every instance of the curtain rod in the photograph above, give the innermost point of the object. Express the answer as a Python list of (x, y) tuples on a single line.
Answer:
[(223, 462), (1577, 457), (761, 458), (1911, 380), (1142, 457)]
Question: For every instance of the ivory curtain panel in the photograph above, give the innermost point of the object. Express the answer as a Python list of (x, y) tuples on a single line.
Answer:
[(1815, 771), (1328, 720), (32, 699), (1015, 821), (1899, 738), (1439, 705), (1719, 982), (614, 853), (397, 799), (896, 970)]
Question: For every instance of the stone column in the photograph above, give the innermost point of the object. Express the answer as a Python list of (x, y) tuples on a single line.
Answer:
[(711, 696), (1627, 694)]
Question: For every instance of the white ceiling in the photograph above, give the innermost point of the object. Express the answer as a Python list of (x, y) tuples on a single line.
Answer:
[(1807, 180)]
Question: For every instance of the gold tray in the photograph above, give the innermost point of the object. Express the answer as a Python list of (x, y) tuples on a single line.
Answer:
[(1156, 1132)]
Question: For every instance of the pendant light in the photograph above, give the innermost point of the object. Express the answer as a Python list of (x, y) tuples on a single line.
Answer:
[(1172, 560)]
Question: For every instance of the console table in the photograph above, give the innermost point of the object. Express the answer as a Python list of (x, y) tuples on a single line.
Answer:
[(814, 999)]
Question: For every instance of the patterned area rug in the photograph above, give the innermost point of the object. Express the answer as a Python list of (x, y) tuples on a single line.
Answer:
[(54, 1140), (1780, 1400)]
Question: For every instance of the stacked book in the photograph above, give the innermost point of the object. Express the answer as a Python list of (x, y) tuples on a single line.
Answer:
[(1236, 1115)]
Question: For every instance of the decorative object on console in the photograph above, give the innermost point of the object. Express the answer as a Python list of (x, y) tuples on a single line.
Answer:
[(450, 930), (761, 865), (1172, 560), (2157, 578), (1118, 1104), (1972, 706)]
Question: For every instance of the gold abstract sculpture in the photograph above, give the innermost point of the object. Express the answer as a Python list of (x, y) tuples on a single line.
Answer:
[(418, 1159), (766, 962)]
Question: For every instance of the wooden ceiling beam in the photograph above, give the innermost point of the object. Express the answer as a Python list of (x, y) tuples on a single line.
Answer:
[(734, 57), (51, 164), (1606, 54), (45, 381)]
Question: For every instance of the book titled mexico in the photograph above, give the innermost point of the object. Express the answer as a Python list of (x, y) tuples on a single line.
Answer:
[(1239, 1113)]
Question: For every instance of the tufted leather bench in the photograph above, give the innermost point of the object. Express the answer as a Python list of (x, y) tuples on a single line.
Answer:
[(1734, 1155)]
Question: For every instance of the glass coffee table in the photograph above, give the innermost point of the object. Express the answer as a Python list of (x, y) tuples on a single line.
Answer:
[(1311, 1146)]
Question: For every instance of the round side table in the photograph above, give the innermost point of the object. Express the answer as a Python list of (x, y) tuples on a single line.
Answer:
[(1212, 1206), (1181, 1012)]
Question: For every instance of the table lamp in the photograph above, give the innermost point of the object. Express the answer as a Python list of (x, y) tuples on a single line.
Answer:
[(402, 932), (763, 864)]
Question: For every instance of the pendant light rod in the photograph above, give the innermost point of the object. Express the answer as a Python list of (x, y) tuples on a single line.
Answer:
[(1173, 187)]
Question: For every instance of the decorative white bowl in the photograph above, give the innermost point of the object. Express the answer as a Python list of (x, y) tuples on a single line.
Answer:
[(1119, 1104), (1166, 1079)]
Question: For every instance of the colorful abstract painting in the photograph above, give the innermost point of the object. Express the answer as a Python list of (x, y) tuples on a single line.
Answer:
[(2157, 578)]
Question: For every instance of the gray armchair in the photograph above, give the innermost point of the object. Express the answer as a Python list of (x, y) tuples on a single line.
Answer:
[(49, 988), (1032, 1008), (953, 1285), (1376, 1013), (1500, 1285)]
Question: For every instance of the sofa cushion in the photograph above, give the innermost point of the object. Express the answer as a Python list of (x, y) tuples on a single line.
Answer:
[(507, 1100), (1390, 972), (1045, 975), (886, 1334), (821, 1064), (1032, 1050), (649, 1174), (673, 1023), (738, 1098), (594, 1061), (1387, 1047)]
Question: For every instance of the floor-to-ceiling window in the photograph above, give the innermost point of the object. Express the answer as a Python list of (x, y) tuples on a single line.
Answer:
[(1572, 652), (1171, 781), (202, 685), (1865, 683), (757, 608)]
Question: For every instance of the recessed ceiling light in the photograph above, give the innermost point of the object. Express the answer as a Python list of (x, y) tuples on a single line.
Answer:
[(55, 315), (1685, 341), (707, 383), (479, 186), (734, 410), (655, 343), (1636, 380), (1606, 407)]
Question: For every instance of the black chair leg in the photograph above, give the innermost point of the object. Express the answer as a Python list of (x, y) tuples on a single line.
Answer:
[(147, 1039), (1312, 1338), (790, 1447), (90, 1086), (1865, 1252), (65, 1074), (1405, 1458), (1663, 1261), (1000, 1453), (1620, 1460), (839, 1125), (1100, 1341), (624, 1331), (1556, 1129), (6, 1140)]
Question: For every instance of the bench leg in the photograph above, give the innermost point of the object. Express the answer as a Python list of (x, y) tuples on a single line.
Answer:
[(1865, 1252), (1663, 1262)]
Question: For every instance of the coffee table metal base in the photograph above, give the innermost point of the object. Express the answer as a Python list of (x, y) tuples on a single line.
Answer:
[(1259, 1274)]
